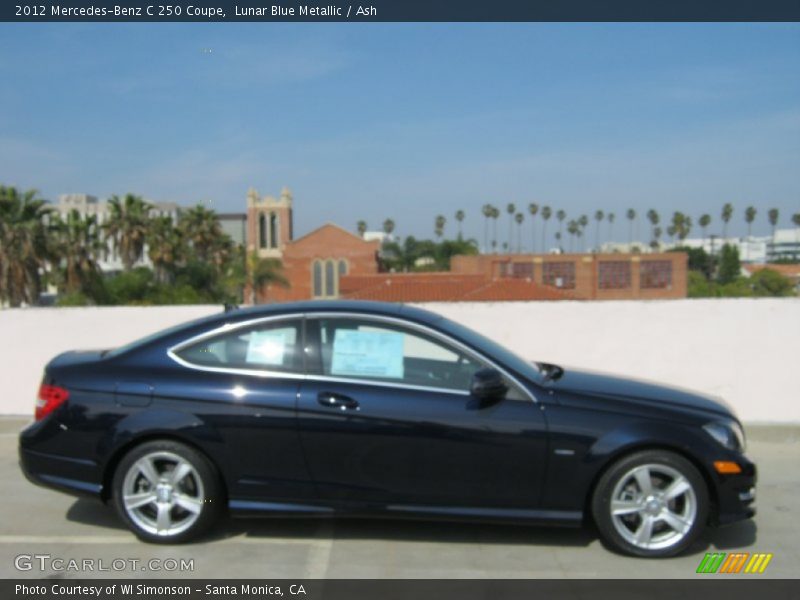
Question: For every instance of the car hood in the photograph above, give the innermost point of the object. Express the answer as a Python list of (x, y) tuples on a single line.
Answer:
[(602, 385)]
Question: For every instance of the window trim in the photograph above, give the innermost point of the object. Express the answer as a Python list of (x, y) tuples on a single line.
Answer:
[(305, 376)]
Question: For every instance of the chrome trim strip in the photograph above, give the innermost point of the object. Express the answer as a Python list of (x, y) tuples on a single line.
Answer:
[(172, 352)]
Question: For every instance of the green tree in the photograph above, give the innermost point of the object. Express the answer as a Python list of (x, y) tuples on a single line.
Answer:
[(768, 282), (166, 247), (202, 230), (631, 214), (546, 214), (730, 267), (77, 242), (598, 217), (773, 214), (510, 209), (361, 227), (460, 220), (438, 226), (262, 272), (495, 217), (388, 226), (127, 226), (519, 218), (654, 219), (727, 213), (610, 218), (533, 210), (704, 221), (24, 251), (749, 217), (486, 211)]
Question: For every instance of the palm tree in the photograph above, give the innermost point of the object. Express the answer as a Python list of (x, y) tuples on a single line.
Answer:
[(749, 216), (202, 230), (519, 218), (127, 226), (261, 272), (572, 229), (631, 214), (460, 219), (361, 227), (438, 226), (583, 222), (598, 217), (773, 215), (704, 221), (166, 247), (546, 214), (24, 250), (388, 227), (610, 218), (510, 209), (533, 209), (78, 243), (727, 213), (654, 218), (656, 243), (560, 215), (495, 216), (486, 211)]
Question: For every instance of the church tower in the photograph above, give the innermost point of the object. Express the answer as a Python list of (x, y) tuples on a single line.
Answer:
[(269, 223)]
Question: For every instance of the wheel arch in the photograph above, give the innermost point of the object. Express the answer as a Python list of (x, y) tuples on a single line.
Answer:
[(120, 452), (634, 448)]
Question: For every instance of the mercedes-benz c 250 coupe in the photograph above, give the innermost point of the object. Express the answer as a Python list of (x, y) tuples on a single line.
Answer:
[(369, 409)]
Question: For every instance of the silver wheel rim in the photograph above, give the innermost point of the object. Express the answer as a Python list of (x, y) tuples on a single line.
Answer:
[(163, 494), (653, 506)]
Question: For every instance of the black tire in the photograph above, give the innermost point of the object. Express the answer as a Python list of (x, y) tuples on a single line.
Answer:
[(200, 490), (628, 532)]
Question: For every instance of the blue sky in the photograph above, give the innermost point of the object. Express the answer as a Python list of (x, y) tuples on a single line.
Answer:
[(408, 121)]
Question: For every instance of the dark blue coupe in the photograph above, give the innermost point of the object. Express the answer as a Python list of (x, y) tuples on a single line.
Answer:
[(359, 409)]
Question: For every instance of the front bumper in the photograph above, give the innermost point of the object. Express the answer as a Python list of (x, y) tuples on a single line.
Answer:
[(735, 494)]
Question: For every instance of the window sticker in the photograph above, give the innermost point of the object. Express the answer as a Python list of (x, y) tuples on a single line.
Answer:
[(266, 347), (368, 353)]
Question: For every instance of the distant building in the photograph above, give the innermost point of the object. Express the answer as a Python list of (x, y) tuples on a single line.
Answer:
[(235, 226), (87, 205), (791, 272), (786, 245)]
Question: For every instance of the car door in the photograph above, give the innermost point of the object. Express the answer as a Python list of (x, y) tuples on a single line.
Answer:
[(244, 382), (385, 416)]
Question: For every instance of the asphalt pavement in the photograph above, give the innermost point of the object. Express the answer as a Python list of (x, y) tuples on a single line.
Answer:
[(48, 534)]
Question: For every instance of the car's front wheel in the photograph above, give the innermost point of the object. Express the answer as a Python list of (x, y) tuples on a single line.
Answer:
[(166, 492), (652, 504)]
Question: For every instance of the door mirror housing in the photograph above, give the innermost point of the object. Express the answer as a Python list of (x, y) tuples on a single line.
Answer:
[(487, 385)]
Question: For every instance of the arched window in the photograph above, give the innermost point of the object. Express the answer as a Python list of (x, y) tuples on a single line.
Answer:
[(317, 279), (262, 230), (273, 230), (330, 279)]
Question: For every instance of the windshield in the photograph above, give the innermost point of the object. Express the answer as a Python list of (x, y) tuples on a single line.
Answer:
[(524, 367)]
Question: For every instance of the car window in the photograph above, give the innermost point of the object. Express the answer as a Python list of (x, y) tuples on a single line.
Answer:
[(267, 346), (372, 350)]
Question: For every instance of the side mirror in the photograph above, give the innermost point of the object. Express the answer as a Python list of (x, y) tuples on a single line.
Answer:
[(487, 385)]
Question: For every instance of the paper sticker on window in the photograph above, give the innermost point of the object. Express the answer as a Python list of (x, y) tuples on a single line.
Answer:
[(368, 353), (266, 347)]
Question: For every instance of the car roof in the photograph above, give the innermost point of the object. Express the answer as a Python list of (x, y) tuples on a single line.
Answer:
[(327, 306)]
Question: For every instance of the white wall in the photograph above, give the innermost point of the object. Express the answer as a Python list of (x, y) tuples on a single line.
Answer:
[(743, 350)]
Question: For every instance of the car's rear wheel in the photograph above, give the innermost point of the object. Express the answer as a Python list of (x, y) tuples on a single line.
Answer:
[(652, 504), (166, 492)]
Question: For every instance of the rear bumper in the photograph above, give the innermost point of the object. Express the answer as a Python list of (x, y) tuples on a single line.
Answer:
[(736, 494), (49, 469)]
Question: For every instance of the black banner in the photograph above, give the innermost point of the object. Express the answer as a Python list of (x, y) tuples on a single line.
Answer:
[(404, 10), (738, 588)]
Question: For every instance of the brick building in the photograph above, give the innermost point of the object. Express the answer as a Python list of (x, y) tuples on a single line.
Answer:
[(587, 276), (331, 262)]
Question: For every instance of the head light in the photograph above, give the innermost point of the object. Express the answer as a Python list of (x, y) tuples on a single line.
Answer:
[(728, 433)]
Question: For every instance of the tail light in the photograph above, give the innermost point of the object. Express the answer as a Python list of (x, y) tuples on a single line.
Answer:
[(50, 398)]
